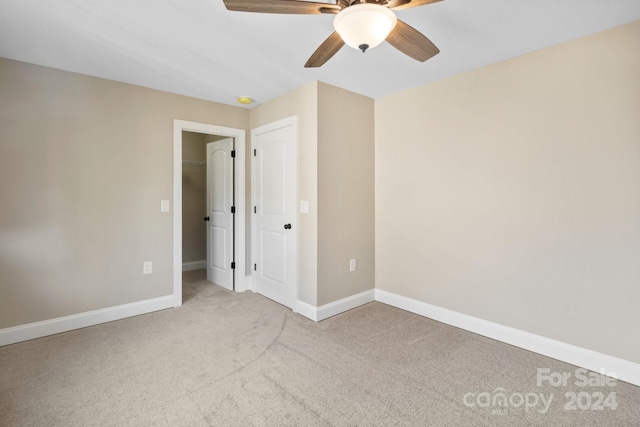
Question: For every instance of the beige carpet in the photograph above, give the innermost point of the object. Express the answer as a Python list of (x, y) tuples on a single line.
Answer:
[(226, 359)]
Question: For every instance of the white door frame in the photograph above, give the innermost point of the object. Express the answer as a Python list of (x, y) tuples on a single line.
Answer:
[(239, 189)]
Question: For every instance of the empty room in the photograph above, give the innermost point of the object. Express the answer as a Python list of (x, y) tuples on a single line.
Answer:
[(291, 212)]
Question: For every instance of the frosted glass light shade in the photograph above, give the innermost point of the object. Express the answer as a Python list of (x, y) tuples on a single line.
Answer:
[(364, 26)]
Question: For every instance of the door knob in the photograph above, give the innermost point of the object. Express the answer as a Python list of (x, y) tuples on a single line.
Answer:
[(287, 226), (206, 218)]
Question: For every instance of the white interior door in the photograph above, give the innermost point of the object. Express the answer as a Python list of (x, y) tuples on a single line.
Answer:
[(219, 212), (274, 218)]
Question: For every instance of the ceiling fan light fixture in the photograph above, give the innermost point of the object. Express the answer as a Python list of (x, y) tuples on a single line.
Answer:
[(364, 26)]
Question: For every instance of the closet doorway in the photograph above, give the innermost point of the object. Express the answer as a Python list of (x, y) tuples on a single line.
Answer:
[(209, 219), (208, 206)]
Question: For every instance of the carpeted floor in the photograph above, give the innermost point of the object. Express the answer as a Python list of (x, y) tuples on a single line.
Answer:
[(226, 359)]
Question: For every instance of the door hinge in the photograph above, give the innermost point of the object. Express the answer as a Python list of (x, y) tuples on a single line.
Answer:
[(255, 267), (233, 265), (233, 153), (255, 209), (233, 209), (255, 152)]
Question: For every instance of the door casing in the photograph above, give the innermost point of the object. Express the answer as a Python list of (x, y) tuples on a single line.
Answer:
[(239, 189)]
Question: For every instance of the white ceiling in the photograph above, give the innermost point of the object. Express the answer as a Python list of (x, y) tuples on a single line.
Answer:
[(198, 48)]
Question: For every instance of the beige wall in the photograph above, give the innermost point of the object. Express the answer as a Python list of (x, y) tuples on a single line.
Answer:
[(84, 163), (345, 193), (512, 192), (194, 197), (194, 146), (303, 104)]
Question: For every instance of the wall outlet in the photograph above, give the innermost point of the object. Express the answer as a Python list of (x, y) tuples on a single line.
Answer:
[(352, 265), (147, 267)]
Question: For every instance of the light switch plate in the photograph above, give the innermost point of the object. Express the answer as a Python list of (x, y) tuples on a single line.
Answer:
[(352, 265), (304, 206), (147, 267), (164, 206)]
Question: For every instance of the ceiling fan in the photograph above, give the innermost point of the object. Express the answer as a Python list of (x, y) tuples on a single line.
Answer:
[(361, 24)]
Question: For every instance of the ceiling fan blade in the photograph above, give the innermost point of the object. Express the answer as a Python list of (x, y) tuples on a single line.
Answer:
[(412, 42), (281, 6), (406, 4), (327, 49)]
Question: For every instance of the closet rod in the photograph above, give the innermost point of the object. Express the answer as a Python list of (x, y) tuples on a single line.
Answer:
[(194, 162)]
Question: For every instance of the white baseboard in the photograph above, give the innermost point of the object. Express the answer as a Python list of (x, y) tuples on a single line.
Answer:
[(345, 304), (597, 362), (328, 310), (306, 310), (194, 265), (82, 320)]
